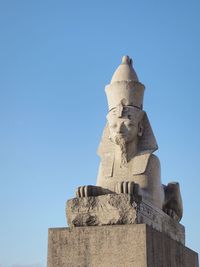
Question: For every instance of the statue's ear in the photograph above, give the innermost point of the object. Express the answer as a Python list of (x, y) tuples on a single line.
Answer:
[(140, 129)]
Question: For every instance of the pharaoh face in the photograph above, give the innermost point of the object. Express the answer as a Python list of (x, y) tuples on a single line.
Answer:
[(124, 124)]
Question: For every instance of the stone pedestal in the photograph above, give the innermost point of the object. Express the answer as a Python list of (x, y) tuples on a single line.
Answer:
[(134, 245)]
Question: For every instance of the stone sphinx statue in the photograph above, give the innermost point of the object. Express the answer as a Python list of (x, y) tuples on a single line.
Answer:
[(129, 218), (128, 165)]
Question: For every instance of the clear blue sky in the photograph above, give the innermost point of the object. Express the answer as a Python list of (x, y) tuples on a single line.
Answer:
[(55, 59)]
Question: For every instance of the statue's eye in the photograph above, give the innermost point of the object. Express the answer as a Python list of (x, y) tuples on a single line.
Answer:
[(129, 124), (113, 125)]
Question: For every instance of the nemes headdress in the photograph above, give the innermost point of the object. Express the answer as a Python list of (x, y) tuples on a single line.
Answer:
[(125, 91)]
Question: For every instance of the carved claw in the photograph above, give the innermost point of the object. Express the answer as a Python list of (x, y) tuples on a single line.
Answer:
[(129, 187), (91, 191), (125, 188), (84, 191)]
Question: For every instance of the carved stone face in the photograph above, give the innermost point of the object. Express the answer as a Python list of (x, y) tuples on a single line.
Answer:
[(122, 128), (124, 125)]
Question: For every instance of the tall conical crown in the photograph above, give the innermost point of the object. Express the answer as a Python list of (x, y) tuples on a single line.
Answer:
[(125, 86), (125, 71)]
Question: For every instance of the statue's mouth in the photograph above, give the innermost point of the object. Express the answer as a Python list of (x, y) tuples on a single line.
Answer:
[(120, 136)]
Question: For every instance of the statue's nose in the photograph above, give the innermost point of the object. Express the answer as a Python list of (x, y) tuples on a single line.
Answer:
[(120, 127)]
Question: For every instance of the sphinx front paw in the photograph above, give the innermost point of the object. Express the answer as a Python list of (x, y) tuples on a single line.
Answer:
[(91, 191), (125, 187), (129, 187), (84, 191)]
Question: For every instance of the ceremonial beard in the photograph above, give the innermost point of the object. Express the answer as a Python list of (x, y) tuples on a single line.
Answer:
[(119, 140)]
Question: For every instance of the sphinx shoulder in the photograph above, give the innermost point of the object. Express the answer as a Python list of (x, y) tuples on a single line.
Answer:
[(146, 163), (153, 161)]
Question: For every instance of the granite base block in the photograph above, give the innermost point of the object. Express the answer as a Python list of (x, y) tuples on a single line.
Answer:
[(136, 245)]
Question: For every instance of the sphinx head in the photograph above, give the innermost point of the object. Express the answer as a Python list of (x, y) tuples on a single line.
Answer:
[(128, 126), (125, 124)]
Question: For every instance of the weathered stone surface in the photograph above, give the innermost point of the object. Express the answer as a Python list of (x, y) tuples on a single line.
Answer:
[(102, 210), (114, 209), (116, 246)]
